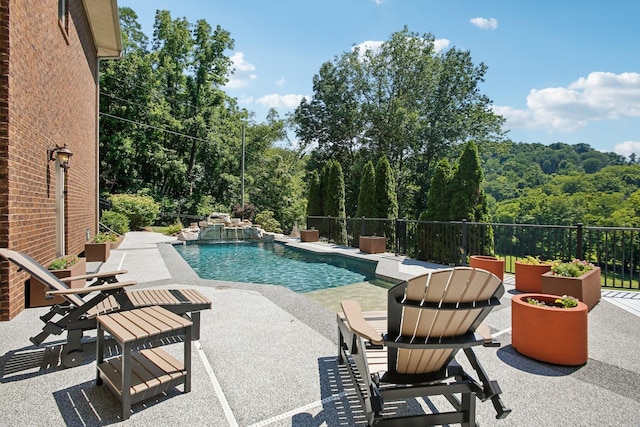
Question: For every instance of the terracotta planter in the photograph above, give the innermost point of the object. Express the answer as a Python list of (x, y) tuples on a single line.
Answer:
[(94, 252), (549, 334), (587, 288), (37, 289), (372, 244), (309, 235), (529, 276), (489, 263)]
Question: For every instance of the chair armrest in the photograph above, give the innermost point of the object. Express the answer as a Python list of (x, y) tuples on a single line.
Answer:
[(101, 275), (100, 288), (485, 333), (357, 322)]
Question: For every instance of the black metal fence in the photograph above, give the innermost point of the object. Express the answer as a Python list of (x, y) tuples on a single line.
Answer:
[(615, 249)]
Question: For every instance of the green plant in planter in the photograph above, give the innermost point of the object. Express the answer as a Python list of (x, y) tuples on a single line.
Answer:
[(63, 263), (105, 238), (566, 301), (534, 260), (575, 268)]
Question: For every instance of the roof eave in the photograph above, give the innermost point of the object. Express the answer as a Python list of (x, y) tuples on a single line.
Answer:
[(104, 22)]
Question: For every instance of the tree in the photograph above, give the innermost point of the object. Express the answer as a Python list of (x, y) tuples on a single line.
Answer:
[(468, 200), (385, 190), (438, 198), (404, 100), (168, 129), (367, 194), (314, 201), (334, 199)]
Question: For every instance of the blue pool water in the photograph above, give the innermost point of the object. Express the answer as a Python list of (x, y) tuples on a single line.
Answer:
[(275, 264)]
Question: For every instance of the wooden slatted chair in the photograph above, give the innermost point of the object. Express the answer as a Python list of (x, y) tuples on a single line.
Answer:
[(410, 350), (103, 295)]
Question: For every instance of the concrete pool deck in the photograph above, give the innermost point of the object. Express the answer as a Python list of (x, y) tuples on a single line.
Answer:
[(267, 357)]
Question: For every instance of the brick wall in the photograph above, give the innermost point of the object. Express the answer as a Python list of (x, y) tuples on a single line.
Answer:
[(51, 92)]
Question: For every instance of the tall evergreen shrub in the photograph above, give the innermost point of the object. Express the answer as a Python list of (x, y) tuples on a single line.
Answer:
[(386, 197), (367, 195), (334, 200)]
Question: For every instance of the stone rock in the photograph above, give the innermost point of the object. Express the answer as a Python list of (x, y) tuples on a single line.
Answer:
[(189, 234)]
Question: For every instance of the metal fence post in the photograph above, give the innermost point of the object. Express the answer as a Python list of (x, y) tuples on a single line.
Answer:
[(579, 237), (463, 253)]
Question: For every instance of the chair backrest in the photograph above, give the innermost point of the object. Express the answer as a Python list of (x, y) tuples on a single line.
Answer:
[(432, 308), (37, 270)]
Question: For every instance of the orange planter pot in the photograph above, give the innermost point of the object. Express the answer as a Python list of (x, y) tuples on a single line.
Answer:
[(372, 244), (529, 276), (309, 235), (37, 289), (586, 288), (489, 263), (549, 334), (97, 251)]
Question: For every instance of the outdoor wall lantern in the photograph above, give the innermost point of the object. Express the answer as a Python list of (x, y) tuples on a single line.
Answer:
[(63, 154)]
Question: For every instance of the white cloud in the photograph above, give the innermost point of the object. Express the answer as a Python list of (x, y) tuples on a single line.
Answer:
[(275, 100), (368, 45), (242, 72), (438, 45), (441, 44), (599, 96), (281, 82), (627, 147), (485, 23)]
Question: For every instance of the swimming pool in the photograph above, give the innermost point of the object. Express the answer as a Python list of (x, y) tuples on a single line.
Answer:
[(275, 264)]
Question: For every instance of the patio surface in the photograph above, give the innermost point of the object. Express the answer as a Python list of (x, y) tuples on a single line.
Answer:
[(267, 357)]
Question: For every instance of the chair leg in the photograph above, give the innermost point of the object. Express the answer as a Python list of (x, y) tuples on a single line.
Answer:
[(468, 408), (72, 355)]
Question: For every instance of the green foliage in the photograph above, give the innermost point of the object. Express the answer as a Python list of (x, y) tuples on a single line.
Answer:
[(267, 222), (174, 228), (575, 268), (438, 197), (140, 210), (105, 237), (405, 101), (115, 221), (332, 181), (534, 260), (385, 190), (367, 194), (565, 301), (63, 263), (334, 189), (315, 206)]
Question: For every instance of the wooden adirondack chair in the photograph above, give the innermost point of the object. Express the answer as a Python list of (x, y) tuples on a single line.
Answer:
[(103, 295), (410, 350)]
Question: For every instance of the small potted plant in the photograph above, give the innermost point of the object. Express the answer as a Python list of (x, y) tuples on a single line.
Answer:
[(550, 328), (529, 271), (576, 277), (62, 267), (492, 264), (99, 248)]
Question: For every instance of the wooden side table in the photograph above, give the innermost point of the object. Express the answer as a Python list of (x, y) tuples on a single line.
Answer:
[(137, 375)]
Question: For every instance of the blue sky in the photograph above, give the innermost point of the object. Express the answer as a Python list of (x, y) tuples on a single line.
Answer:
[(563, 71)]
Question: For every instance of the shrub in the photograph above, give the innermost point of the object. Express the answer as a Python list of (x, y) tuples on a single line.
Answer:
[(63, 262), (268, 223), (141, 210), (575, 268), (174, 228), (115, 221), (105, 237)]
